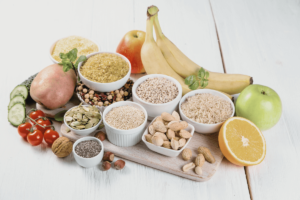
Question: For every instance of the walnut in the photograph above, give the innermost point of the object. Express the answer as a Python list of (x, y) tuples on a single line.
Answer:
[(62, 147)]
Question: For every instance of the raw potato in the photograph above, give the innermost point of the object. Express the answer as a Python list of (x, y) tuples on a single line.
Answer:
[(184, 124), (186, 154), (170, 134), (148, 138), (176, 116), (188, 167), (162, 135), (185, 134), (182, 142), (167, 144), (207, 155), (167, 117), (176, 126), (151, 129), (199, 160), (174, 144), (158, 141), (198, 170), (160, 127)]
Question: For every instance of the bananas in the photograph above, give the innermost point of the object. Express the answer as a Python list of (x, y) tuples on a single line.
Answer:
[(153, 59), (182, 65)]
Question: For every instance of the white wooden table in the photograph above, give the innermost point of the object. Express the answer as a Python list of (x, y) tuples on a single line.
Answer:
[(259, 38)]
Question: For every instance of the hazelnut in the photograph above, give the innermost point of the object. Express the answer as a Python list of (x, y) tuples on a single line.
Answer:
[(91, 92), (198, 170), (84, 90), (106, 165), (100, 135), (109, 97), (119, 164), (186, 154), (100, 104), (79, 88), (108, 156), (87, 100), (86, 96)]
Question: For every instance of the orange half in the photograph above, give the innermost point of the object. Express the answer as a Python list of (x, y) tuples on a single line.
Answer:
[(241, 142)]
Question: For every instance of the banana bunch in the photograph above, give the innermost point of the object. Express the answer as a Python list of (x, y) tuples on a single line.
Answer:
[(163, 57)]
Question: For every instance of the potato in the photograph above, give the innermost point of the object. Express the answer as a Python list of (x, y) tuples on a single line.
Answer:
[(53, 87)]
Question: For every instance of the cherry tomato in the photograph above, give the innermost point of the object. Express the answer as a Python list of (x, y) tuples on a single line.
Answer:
[(24, 129), (50, 136), (36, 114), (35, 138), (43, 122)]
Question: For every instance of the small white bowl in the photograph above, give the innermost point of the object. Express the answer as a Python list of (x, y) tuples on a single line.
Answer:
[(53, 45), (124, 138), (105, 87), (154, 110), (83, 132), (88, 162), (200, 127), (165, 151)]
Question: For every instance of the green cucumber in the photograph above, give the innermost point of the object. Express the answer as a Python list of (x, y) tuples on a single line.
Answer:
[(19, 90), (17, 114), (16, 99)]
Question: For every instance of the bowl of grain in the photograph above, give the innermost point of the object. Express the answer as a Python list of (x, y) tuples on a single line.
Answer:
[(64, 45), (104, 71), (125, 123), (88, 151), (206, 110), (157, 93)]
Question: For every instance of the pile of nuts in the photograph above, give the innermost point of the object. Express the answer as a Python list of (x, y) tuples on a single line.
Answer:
[(104, 98), (108, 158), (203, 154), (168, 131)]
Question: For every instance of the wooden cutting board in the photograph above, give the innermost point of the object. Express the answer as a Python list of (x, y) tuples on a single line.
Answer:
[(142, 155)]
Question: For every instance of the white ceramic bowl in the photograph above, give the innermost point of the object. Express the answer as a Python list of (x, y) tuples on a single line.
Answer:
[(105, 87), (154, 110), (53, 45), (165, 151), (83, 132), (88, 162), (200, 127), (124, 138)]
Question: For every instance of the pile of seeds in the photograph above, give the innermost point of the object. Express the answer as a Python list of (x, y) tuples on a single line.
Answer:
[(88, 148), (105, 98), (157, 90), (125, 117)]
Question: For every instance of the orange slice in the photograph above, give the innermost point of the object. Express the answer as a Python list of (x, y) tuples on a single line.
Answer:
[(241, 142)]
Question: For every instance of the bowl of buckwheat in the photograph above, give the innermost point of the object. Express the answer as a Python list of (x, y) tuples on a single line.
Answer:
[(157, 93)]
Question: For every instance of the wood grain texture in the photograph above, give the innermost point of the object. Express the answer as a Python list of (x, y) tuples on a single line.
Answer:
[(261, 38), (29, 28)]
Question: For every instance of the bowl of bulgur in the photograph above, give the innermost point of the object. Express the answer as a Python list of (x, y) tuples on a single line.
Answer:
[(104, 71), (206, 110), (125, 123), (157, 93)]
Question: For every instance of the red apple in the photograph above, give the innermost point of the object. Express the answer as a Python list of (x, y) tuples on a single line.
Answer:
[(130, 47)]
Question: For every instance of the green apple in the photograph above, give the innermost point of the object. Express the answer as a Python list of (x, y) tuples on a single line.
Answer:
[(260, 104)]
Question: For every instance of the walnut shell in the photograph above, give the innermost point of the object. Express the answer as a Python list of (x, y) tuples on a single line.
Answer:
[(62, 147)]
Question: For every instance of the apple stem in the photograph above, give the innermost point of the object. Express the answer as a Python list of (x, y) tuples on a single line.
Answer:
[(263, 92)]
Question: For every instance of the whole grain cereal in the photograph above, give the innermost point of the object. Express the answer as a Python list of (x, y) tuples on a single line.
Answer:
[(157, 90), (125, 117), (206, 108)]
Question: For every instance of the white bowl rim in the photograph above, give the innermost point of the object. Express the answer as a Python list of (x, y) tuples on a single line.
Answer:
[(53, 44), (194, 92), (100, 52), (86, 139), (83, 129), (124, 103), (154, 75), (170, 150)]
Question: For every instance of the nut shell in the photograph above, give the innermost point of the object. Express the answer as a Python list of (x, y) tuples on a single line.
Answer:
[(199, 160), (62, 147)]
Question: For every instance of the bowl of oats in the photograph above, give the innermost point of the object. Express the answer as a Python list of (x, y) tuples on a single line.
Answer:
[(157, 93)]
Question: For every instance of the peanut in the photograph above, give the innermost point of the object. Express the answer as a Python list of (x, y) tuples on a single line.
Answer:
[(167, 117), (158, 119), (176, 126), (148, 138), (182, 142), (198, 170), (162, 135), (207, 155), (185, 134), (186, 154), (199, 160), (187, 167), (176, 115), (176, 138), (159, 126), (151, 129), (167, 144), (170, 134), (184, 124), (169, 123), (174, 144), (158, 141)]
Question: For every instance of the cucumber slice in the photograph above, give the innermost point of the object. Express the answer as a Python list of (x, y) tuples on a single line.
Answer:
[(17, 114), (16, 99), (20, 89)]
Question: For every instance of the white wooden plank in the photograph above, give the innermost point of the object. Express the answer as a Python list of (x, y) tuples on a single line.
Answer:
[(261, 38), (30, 27)]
